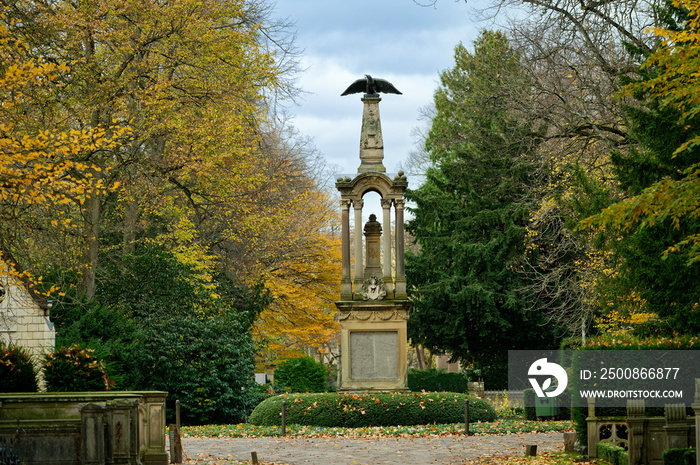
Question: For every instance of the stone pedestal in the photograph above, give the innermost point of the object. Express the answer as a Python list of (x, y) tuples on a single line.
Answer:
[(373, 345)]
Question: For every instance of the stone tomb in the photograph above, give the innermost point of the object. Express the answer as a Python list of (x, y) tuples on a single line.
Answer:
[(373, 308)]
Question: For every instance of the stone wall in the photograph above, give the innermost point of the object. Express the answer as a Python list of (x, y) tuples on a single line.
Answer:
[(24, 318), (86, 428)]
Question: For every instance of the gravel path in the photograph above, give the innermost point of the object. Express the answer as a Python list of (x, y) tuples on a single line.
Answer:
[(384, 451)]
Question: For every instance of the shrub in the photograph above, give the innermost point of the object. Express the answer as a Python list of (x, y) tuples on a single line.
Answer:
[(434, 379), (17, 372), (359, 410), (171, 330), (679, 456), (75, 369), (301, 375), (611, 453)]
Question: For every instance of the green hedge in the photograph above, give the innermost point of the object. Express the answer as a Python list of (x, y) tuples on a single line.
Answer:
[(611, 453), (436, 380), (302, 374), (359, 410), (679, 456)]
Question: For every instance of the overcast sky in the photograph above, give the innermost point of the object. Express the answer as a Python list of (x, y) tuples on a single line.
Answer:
[(397, 40)]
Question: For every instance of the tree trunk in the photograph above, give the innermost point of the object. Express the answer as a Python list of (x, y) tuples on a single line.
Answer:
[(92, 214), (420, 356)]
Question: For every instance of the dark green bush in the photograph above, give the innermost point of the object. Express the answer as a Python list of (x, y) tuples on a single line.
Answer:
[(612, 454), (162, 327), (679, 456), (302, 374), (436, 380), (75, 369), (17, 372), (359, 410)]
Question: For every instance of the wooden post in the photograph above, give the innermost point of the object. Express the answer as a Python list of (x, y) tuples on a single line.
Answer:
[(177, 414), (284, 419), (254, 458), (175, 445), (466, 416), (531, 450)]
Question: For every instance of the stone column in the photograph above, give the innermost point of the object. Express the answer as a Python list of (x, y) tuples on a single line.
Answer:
[(346, 281), (152, 434), (635, 430), (373, 232), (386, 243), (591, 428), (358, 204), (677, 428), (400, 292), (696, 409)]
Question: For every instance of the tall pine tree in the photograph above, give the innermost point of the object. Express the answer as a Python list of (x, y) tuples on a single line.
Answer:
[(470, 215)]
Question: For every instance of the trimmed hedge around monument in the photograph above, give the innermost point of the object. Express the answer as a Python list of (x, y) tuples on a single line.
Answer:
[(360, 410)]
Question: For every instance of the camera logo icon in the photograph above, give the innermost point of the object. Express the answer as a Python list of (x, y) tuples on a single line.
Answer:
[(554, 371)]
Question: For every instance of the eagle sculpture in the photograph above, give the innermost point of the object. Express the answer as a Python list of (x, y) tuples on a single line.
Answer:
[(371, 86)]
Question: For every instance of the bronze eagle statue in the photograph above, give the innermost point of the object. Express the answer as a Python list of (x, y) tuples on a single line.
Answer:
[(371, 86)]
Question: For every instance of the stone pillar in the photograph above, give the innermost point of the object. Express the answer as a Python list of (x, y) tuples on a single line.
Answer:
[(591, 428), (373, 233), (400, 266), (371, 142), (358, 204), (635, 430), (677, 428), (92, 434), (346, 281), (152, 420), (386, 243), (696, 409)]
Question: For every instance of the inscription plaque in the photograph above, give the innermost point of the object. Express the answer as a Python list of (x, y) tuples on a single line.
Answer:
[(375, 354)]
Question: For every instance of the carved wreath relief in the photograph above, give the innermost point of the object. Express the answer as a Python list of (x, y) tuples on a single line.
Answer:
[(373, 288)]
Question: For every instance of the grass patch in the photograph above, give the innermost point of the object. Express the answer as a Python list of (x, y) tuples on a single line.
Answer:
[(246, 430)]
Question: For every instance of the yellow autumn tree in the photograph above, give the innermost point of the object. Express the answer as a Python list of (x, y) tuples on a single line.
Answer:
[(675, 68), (39, 167), (193, 79)]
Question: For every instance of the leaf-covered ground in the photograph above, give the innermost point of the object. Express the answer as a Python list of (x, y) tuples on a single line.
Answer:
[(548, 458), (245, 430)]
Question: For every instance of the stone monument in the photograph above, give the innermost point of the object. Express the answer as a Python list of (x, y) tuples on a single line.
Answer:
[(373, 307)]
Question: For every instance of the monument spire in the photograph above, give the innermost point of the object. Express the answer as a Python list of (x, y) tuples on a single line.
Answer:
[(373, 306), (371, 142)]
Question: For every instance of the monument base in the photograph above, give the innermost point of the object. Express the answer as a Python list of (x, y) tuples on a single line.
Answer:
[(373, 345)]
